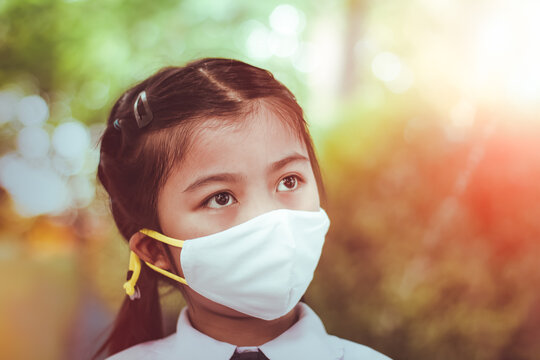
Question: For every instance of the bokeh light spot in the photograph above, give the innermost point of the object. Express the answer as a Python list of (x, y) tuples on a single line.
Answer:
[(286, 19), (386, 66), (36, 188), (32, 110), (258, 41), (33, 142), (71, 139)]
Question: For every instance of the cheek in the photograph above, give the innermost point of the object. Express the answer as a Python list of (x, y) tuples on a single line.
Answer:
[(311, 195), (314, 201), (305, 199), (176, 257), (202, 223)]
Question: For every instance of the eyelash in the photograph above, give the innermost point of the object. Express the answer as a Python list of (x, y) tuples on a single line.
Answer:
[(206, 202)]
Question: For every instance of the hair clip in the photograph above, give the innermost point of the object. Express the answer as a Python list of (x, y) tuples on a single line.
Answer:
[(116, 124), (145, 119)]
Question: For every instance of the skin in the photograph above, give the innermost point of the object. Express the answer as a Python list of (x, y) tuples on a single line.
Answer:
[(268, 168)]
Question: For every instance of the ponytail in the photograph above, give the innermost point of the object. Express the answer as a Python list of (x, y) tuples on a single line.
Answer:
[(138, 320), (122, 173)]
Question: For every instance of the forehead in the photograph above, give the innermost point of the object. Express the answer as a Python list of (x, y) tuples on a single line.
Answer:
[(240, 144)]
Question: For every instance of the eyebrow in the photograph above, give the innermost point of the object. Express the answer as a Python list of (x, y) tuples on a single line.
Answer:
[(235, 178), (285, 161), (205, 180)]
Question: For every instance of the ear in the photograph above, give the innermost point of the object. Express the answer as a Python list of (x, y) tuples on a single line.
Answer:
[(149, 250)]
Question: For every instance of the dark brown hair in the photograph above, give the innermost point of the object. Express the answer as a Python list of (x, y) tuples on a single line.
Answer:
[(135, 162)]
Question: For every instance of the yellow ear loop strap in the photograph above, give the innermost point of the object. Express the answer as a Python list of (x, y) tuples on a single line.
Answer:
[(135, 266), (135, 262), (163, 238), (166, 273)]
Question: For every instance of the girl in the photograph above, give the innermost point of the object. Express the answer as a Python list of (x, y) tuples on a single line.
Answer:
[(213, 180)]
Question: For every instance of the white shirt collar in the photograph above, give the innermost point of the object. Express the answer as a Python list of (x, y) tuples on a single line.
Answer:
[(306, 339)]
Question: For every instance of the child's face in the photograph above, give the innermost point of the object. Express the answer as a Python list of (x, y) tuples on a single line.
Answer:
[(234, 173)]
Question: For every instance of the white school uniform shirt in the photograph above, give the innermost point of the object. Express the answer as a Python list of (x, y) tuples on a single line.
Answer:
[(306, 339)]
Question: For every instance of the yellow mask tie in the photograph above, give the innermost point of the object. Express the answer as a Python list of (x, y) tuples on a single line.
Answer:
[(135, 267), (135, 263), (158, 236)]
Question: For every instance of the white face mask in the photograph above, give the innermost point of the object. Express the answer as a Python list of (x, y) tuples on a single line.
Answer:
[(261, 267)]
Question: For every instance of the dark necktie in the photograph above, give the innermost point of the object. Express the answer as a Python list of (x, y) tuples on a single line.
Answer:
[(249, 355)]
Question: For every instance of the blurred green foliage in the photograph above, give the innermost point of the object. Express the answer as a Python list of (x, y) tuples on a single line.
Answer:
[(434, 244)]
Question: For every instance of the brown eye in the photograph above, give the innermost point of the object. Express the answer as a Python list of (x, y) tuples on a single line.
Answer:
[(288, 183), (220, 200)]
